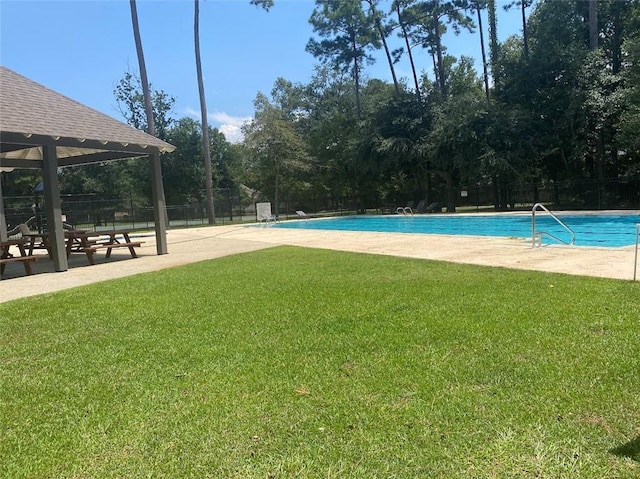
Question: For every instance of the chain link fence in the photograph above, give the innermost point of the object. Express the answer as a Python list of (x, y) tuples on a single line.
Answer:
[(91, 212), (94, 213)]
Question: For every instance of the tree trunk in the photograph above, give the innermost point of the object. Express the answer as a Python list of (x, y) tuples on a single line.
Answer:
[(493, 44), (148, 107), (451, 196), (525, 39), (356, 75), (376, 20), (593, 25), (484, 55), (616, 65), (406, 41), (206, 146), (160, 210), (386, 50), (616, 42), (497, 194), (438, 41), (435, 68), (449, 193)]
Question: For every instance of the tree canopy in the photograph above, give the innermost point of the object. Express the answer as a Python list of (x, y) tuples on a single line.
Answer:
[(550, 107)]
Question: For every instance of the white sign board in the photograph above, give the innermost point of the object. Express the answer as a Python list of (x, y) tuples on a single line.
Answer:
[(263, 211)]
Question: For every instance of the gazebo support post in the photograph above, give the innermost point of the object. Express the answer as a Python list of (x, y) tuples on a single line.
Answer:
[(53, 208), (3, 221), (159, 207)]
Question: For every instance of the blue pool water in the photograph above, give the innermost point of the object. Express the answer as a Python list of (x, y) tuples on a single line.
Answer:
[(590, 230)]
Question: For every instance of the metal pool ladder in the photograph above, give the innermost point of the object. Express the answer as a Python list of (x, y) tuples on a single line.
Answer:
[(536, 236)]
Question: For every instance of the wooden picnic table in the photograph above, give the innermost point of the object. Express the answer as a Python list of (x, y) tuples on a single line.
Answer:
[(7, 257), (41, 240), (36, 241), (88, 242)]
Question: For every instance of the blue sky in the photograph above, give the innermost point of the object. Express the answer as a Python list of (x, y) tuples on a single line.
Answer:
[(82, 49)]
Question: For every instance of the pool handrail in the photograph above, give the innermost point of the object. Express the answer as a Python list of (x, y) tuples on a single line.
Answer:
[(534, 234), (406, 210)]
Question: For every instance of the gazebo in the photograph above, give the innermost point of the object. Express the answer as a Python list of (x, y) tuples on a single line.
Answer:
[(42, 129)]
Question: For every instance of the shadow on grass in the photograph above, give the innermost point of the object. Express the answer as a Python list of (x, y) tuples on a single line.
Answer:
[(630, 449)]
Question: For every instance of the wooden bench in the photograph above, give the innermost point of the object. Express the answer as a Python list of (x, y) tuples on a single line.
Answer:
[(93, 247), (25, 259)]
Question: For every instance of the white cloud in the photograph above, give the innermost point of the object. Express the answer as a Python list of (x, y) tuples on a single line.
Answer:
[(228, 125), (232, 133), (193, 113)]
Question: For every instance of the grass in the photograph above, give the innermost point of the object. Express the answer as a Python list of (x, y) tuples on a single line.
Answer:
[(305, 363)]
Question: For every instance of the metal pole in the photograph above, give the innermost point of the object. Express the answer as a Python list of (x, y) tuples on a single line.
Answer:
[(533, 226), (635, 258)]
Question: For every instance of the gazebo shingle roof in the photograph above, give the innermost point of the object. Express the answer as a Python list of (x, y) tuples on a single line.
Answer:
[(32, 115), (40, 128)]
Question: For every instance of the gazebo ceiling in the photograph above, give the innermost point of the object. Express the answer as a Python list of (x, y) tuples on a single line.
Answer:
[(33, 116)]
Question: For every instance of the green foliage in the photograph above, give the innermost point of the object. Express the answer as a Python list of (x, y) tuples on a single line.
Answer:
[(128, 93), (111, 180), (266, 4), (275, 146), (557, 110), (399, 135), (182, 169), (347, 32), (428, 21), (20, 182), (126, 178), (303, 363), (331, 121), (184, 166), (629, 141)]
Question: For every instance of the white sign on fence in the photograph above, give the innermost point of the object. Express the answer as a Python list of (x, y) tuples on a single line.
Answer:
[(263, 211)]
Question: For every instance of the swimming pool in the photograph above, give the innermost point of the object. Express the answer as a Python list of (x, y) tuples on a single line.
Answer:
[(591, 230)]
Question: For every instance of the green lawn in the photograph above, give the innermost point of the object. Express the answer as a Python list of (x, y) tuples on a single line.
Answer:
[(302, 363)]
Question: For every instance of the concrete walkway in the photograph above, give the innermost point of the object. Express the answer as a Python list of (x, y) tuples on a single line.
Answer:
[(199, 244)]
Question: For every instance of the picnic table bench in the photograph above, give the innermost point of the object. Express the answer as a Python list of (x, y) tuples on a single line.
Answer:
[(7, 257)]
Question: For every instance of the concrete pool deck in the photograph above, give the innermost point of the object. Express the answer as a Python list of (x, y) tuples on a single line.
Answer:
[(203, 243)]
